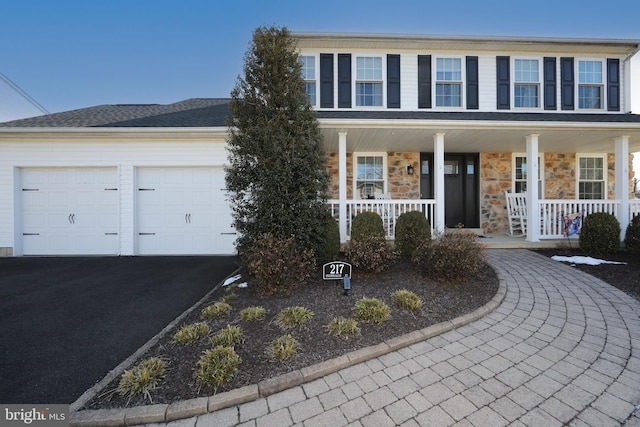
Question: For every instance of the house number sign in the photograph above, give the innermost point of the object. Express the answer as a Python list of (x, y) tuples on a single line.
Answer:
[(336, 270)]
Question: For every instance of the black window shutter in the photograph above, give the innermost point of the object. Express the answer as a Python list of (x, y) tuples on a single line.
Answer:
[(393, 81), (472, 83), (613, 84), (344, 80), (567, 88), (503, 83), (326, 80), (550, 84), (424, 81)]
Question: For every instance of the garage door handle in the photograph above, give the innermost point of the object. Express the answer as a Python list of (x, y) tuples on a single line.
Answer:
[(146, 234), (146, 189), (30, 234), (110, 234), (233, 234)]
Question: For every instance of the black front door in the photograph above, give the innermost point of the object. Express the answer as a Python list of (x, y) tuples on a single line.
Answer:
[(461, 186)]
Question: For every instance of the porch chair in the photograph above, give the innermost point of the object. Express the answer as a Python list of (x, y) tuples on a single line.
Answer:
[(384, 210), (516, 213)]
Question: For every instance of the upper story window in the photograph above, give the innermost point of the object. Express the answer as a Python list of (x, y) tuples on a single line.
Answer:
[(526, 86), (590, 85), (591, 177), (309, 75), (448, 82), (368, 81)]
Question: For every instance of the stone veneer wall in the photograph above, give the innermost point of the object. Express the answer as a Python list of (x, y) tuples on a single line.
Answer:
[(495, 179)]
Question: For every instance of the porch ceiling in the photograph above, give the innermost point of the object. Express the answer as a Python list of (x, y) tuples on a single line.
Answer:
[(372, 136)]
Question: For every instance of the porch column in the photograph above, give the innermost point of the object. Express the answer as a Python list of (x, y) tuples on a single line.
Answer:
[(622, 182), (438, 177), (342, 185), (533, 207)]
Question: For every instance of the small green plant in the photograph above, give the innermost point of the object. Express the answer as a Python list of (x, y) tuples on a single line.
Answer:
[(290, 317), (278, 265), (216, 367), (371, 310), (407, 300), (453, 257), (216, 310), (192, 333), (253, 313), (283, 347), (367, 224), (632, 235), (412, 228), (370, 254), (331, 248), (600, 234), (343, 327), (229, 336), (142, 379), (229, 296)]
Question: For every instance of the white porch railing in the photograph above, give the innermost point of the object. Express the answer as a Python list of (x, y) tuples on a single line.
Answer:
[(552, 213), (634, 208), (389, 211)]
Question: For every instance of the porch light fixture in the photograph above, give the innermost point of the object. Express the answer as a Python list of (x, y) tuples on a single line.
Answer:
[(410, 170)]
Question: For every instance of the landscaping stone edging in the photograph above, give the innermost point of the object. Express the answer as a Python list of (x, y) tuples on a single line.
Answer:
[(199, 406)]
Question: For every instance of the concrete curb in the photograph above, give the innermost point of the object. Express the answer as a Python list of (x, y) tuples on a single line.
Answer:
[(203, 405)]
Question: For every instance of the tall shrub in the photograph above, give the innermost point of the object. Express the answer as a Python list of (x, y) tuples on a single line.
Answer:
[(412, 228), (632, 235), (276, 177), (600, 234)]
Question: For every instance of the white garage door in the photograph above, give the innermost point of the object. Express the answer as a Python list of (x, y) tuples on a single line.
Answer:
[(69, 211), (183, 211)]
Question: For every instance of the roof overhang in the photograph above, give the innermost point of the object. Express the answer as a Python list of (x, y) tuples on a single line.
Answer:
[(112, 133)]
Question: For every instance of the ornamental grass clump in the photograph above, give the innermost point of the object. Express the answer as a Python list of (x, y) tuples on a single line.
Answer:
[(343, 327), (371, 310), (283, 347), (216, 367), (142, 379), (253, 313), (229, 336), (407, 300), (216, 310), (191, 334), (291, 317)]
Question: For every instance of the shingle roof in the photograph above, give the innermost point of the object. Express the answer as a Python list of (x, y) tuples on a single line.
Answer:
[(196, 112), (212, 112)]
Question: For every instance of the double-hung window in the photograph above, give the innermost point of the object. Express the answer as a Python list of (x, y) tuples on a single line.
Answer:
[(448, 82), (590, 87), (370, 175), (526, 86), (520, 174), (368, 81), (591, 177), (309, 75)]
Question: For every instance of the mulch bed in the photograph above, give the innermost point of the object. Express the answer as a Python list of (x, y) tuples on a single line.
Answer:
[(442, 301)]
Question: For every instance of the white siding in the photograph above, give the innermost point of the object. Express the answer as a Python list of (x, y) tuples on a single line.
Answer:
[(125, 155), (487, 82), (409, 81)]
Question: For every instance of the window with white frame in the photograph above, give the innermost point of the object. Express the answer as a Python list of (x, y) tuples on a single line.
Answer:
[(368, 81), (520, 174), (448, 82), (526, 83), (592, 177), (309, 75), (370, 174), (590, 87)]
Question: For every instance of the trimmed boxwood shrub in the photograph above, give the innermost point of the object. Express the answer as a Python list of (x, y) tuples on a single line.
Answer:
[(331, 248), (600, 234), (367, 224), (411, 229), (632, 236)]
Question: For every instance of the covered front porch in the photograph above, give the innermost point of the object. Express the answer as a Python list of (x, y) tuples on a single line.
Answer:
[(530, 139)]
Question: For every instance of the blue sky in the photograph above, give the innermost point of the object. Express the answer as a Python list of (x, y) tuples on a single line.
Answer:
[(70, 54)]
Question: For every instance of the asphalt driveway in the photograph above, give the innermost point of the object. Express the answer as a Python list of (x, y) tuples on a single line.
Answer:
[(66, 322)]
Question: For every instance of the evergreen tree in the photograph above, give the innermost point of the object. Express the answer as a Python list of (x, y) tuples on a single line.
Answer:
[(276, 176)]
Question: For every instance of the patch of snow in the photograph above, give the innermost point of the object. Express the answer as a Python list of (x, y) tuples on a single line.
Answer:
[(583, 260), (230, 280), (243, 285)]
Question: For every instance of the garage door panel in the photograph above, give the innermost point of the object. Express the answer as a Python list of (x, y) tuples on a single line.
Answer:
[(69, 211), (190, 199)]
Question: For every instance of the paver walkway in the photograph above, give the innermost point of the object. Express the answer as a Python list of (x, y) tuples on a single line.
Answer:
[(562, 349)]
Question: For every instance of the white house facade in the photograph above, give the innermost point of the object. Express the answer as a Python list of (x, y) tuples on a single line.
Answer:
[(445, 125)]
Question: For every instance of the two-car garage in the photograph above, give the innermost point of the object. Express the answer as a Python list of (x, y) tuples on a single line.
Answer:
[(101, 211)]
